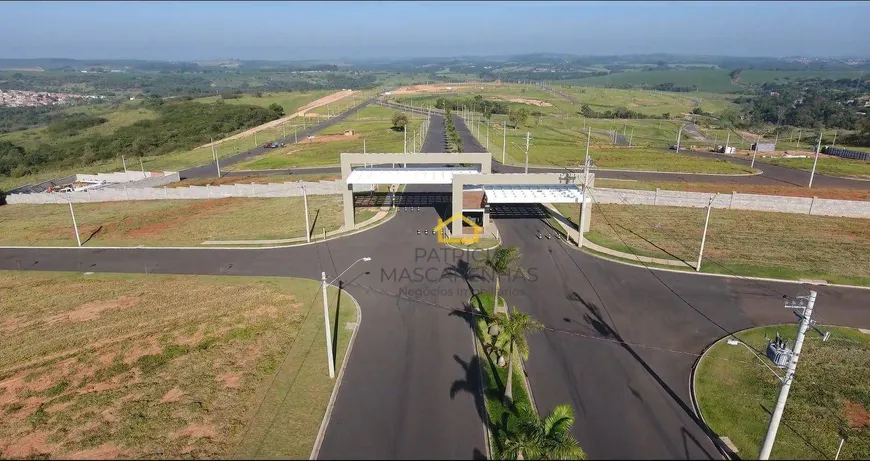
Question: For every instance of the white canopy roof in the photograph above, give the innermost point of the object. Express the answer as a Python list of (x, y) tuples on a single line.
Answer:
[(551, 193), (371, 175)]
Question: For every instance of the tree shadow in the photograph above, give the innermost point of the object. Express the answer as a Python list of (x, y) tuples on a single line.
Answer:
[(93, 234), (462, 269), (596, 321), (471, 384)]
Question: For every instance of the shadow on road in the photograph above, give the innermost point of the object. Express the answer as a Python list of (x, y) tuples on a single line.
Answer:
[(596, 320), (314, 222), (335, 322), (462, 269)]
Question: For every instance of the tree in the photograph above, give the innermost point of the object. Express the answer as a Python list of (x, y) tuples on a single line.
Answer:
[(518, 116), (512, 329), (276, 108), (400, 120), (549, 438), (502, 261)]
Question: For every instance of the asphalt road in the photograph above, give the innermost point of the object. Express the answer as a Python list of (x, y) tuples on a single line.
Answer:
[(619, 348), (210, 169)]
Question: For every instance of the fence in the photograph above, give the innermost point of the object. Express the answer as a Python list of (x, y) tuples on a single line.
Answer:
[(287, 189), (846, 153), (774, 203)]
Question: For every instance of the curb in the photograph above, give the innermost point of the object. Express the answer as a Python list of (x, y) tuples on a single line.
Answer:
[(472, 250), (212, 247), (486, 430), (528, 386), (324, 424), (708, 274)]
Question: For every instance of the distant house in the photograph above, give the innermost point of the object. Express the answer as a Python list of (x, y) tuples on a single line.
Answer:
[(349, 132)]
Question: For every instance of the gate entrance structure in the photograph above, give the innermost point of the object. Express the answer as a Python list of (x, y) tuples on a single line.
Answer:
[(473, 187), (389, 169)]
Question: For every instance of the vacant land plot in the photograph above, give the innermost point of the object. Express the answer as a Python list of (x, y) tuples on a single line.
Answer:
[(255, 179), (736, 393), (167, 222), (372, 125), (790, 191), (291, 101), (833, 166), (145, 367), (781, 245), (562, 142)]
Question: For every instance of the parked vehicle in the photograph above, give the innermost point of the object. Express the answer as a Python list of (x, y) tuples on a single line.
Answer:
[(272, 145)]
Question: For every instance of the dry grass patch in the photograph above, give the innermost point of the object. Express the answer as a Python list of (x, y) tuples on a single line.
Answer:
[(781, 245), (176, 374), (167, 222)]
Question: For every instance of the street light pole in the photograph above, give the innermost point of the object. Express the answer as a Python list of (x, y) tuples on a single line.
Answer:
[(704, 236), (818, 149), (405, 145), (307, 225), (757, 142), (586, 165), (503, 140), (527, 152), (329, 357), (679, 135), (75, 226)]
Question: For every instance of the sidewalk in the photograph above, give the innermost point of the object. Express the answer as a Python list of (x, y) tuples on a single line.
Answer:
[(573, 234)]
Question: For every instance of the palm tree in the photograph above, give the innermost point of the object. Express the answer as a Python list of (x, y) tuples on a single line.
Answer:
[(512, 329), (501, 262), (549, 438)]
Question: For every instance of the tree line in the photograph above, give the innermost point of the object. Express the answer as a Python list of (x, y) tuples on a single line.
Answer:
[(620, 112), (454, 141), (180, 125)]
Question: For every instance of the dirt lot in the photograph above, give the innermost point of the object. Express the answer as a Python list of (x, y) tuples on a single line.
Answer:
[(531, 102), (441, 88), (301, 112), (112, 366)]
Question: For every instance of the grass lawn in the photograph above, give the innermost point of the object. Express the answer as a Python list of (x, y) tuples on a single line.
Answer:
[(832, 388), (791, 191), (372, 124), (828, 165), (502, 418), (708, 80), (756, 243), (167, 222), (163, 366)]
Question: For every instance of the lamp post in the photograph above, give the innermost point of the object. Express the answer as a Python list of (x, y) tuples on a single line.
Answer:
[(75, 226), (329, 357)]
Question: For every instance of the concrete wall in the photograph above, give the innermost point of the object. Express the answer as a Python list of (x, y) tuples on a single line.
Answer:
[(153, 181), (288, 189), (121, 176), (774, 203)]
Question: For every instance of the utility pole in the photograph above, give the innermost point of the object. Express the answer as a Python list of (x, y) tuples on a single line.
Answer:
[(704, 236), (527, 151), (757, 142), (806, 322), (631, 137), (679, 135), (75, 226), (255, 140), (124, 161), (487, 136), (818, 149), (727, 140), (329, 358), (295, 139), (307, 225), (364, 145), (833, 144), (142, 167), (405, 145), (503, 140), (284, 127), (800, 132)]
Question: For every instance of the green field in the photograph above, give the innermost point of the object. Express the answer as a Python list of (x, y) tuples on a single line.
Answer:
[(735, 391), (766, 244), (709, 80), (112, 366), (170, 222), (828, 165), (761, 76), (371, 123), (561, 142)]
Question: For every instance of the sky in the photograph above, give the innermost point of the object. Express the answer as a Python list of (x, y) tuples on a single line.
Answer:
[(340, 30)]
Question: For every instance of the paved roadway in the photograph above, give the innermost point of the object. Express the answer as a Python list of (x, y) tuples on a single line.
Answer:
[(411, 389)]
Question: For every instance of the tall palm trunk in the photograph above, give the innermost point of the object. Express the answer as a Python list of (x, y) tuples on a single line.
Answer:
[(495, 302), (508, 390)]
